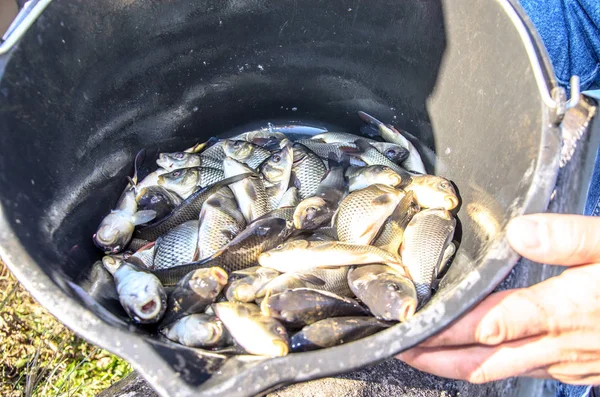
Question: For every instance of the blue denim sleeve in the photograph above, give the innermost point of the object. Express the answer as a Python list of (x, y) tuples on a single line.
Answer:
[(570, 30)]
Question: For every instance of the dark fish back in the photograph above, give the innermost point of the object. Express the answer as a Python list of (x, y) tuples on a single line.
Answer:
[(188, 210)]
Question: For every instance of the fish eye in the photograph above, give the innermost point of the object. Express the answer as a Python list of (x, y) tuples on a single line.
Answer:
[(273, 137), (177, 174), (276, 158), (237, 144), (179, 155), (444, 185), (280, 246), (311, 209), (392, 287), (390, 152), (280, 330)]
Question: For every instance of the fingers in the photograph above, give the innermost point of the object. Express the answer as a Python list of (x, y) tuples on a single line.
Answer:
[(480, 364), (556, 239), (502, 316), (572, 356)]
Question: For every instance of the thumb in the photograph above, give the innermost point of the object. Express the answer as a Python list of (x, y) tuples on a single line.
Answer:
[(556, 239)]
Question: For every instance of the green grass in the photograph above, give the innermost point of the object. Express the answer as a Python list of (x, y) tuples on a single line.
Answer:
[(41, 357)]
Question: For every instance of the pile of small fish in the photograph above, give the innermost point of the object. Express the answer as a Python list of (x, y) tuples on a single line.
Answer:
[(263, 245)]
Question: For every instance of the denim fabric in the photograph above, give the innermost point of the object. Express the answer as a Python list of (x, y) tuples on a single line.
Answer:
[(563, 390), (570, 30)]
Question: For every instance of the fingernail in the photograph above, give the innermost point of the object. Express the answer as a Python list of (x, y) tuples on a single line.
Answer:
[(523, 232)]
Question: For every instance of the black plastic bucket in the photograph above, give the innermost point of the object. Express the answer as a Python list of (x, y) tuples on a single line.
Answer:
[(91, 83)]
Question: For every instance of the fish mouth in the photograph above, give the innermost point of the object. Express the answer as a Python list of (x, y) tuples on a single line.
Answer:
[(281, 348), (219, 274), (451, 201), (407, 311), (149, 309)]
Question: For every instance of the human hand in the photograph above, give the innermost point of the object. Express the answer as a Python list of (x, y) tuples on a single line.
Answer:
[(549, 330)]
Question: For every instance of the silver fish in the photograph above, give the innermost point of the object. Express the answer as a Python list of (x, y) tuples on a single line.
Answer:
[(176, 247), (371, 175), (425, 241), (116, 229), (194, 293), (141, 294), (318, 210), (257, 334), (326, 150), (307, 172), (335, 331), (302, 256), (188, 210), (216, 151), (433, 191), (362, 213), (246, 152), (250, 192), (290, 198), (158, 199), (144, 257), (276, 172), (338, 137), (178, 160), (395, 153), (414, 162), (392, 233), (241, 253), (186, 181), (244, 284), (330, 280), (263, 137), (302, 306), (388, 295), (220, 221), (371, 156), (197, 330)]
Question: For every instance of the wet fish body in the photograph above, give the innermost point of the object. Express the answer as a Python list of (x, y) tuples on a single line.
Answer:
[(326, 150), (335, 331), (178, 160), (330, 280), (371, 175), (197, 330), (116, 229), (276, 172), (388, 295), (257, 334), (290, 198), (392, 232), (244, 285), (241, 253), (219, 222), (302, 306), (246, 152), (176, 247), (249, 193), (362, 213), (158, 199), (188, 210), (302, 256), (194, 293), (307, 171), (141, 294), (185, 182), (426, 239)]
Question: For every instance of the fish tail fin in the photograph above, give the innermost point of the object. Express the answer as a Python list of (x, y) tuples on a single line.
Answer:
[(137, 163), (367, 118), (363, 145), (197, 148)]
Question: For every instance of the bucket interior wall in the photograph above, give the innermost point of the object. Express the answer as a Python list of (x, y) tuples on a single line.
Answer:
[(92, 83)]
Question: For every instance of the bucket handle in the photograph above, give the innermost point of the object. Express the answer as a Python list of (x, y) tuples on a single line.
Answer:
[(24, 19)]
